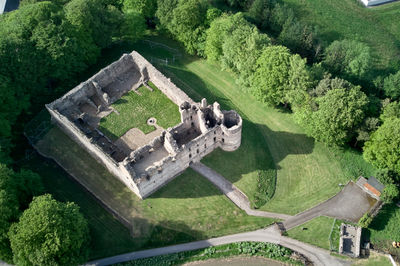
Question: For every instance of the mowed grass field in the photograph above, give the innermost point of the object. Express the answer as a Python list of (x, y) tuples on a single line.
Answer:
[(134, 110), (307, 171), (188, 208), (379, 26)]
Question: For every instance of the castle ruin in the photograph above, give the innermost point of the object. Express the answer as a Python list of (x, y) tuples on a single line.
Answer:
[(143, 169)]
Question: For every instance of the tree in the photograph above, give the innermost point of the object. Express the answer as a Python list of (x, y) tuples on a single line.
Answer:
[(260, 12), (8, 210), (390, 192), (332, 111), (134, 26), (187, 24), (391, 86), (277, 74), (50, 233), (390, 110), (164, 12), (348, 58), (339, 113), (365, 221), (300, 38), (383, 149), (145, 7), (16, 191), (241, 49), (219, 31), (96, 21)]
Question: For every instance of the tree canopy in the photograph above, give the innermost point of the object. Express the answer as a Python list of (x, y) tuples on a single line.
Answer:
[(277, 73), (50, 233), (348, 58), (383, 148), (16, 191), (332, 111), (391, 86)]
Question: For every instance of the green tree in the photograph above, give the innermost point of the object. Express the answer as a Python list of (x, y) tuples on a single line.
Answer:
[(219, 31), (348, 58), (187, 24), (9, 210), (391, 86), (383, 148), (270, 80), (96, 21), (16, 191), (390, 110), (241, 49), (277, 74), (164, 12), (145, 7), (260, 12), (390, 192), (50, 233), (365, 221), (134, 26)]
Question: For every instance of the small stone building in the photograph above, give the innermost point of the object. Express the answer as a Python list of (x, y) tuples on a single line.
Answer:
[(144, 169), (350, 240), (371, 185)]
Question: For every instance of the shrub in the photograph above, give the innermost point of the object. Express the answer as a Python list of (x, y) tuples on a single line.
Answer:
[(266, 181)]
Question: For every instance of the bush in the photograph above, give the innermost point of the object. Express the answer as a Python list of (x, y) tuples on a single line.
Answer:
[(266, 182), (365, 221)]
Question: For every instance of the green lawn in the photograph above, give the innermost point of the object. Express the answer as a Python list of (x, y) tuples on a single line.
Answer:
[(316, 232), (375, 259), (188, 208), (307, 171), (377, 26), (385, 228), (134, 110)]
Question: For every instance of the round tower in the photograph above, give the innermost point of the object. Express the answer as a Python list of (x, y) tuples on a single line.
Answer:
[(231, 131)]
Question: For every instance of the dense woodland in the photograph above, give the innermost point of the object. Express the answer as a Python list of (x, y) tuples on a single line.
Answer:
[(331, 89)]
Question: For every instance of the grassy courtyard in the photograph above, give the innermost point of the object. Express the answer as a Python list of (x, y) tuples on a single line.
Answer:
[(350, 19), (134, 109)]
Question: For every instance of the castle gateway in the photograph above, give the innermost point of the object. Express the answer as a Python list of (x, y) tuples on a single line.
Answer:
[(143, 162)]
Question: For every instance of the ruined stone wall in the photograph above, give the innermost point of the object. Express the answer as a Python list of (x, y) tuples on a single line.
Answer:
[(163, 83), (202, 129), (74, 133)]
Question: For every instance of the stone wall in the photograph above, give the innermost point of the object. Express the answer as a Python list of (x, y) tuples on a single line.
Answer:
[(203, 127)]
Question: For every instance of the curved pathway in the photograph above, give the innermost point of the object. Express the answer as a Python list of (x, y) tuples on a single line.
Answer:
[(316, 255), (233, 193)]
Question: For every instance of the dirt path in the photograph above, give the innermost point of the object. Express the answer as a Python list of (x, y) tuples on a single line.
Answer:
[(233, 193)]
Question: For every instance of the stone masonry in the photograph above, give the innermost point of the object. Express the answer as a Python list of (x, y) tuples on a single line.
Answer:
[(144, 170)]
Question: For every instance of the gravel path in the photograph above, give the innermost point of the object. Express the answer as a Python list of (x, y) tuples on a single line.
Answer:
[(233, 193), (316, 255)]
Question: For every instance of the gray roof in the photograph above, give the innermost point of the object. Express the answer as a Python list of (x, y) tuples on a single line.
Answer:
[(8, 5), (375, 183)]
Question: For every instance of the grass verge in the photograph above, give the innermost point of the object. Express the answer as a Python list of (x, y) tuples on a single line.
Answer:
[(244, 249), (317, 232)]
